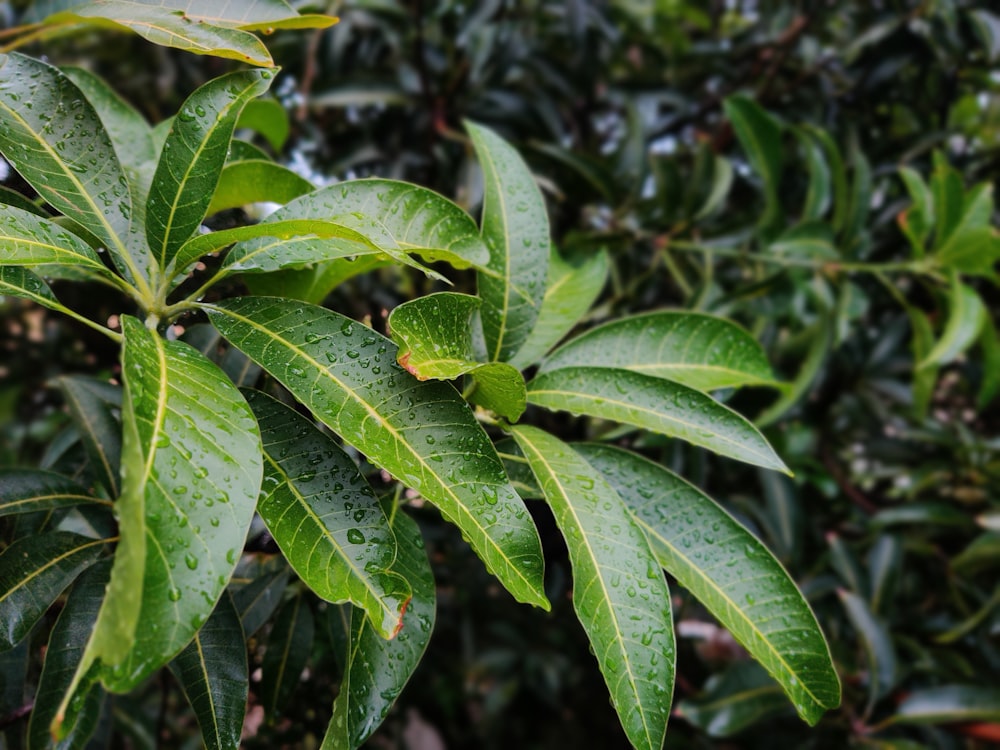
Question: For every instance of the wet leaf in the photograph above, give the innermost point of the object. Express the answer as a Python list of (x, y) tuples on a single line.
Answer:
[(423, 433), (20, 282), (696, 350), (730, 572), (29, 240), (515, 228), (658, 405), (255, 181), (734, 700), (91, 403), (29, 490), (325, 518), (288, 648), (619, 592)]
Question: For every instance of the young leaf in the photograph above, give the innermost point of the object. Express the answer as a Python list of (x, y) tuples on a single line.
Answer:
[(29, 240), (34, 570), (696, 350), (66, 644), (949, 198), (819, 194), (191, 470), (760, 135), (376, 669), (423, 433), (965, 318), (658, 405), (28, 490), (733, 701), (619, 592), (730, 571), (60, 147), (256, 181), (515, 227), (722, 181), (212, 671), (192, 158), (87, 399), (288, 649), (325, 518)]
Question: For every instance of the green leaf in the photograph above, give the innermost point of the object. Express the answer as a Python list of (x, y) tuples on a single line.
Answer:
[(734, 700), (313, 285), (20, 282), (34, 570), (570, 292), (924, 378), (325, 518), (987, 28), (28, 490), (730, 572), (436, 339), (515, 228), (377, 670), (54, 138), (269, 118), (29, 240), (965, 318), (948, 704), (838, 174), (257, 600), (989, 347), (423, 433), (87, 399), (191, 470), (760, 135), (820, 343), (65, 648), (874, 635), (813, 240), (619, 592), (212, 671), (722, 182), (256, 181), (949, 199), (819, 194), (658, 405), (917, 220), (859, 203), (288, 649), (973, 250), (696, 350), (192, 159)]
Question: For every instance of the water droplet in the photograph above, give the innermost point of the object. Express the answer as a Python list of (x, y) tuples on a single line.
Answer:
[(191, 561), (354, 536), (174, 594)]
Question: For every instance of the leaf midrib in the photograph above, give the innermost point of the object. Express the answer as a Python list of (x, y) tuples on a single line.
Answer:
[(49, 564)]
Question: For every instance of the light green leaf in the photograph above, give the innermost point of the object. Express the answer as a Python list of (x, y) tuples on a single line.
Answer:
[(619, 592), (28, 240), (53, 136), (192, 159), (313, 285), (989, 347), (212, 671), (949, 199), (658, 405), (917, 220), (947, 704), (191, 470), (101, 434), (571, 291), (734, 700), (377, 670), (730, 572), (423, 433), (924, 378), (288, 647), (987, 28), (28, 490), (325, 518), (722, 182), (965, 318), (256, 181), (34, 570), (515, 228), (760, 135), (819, 194), (972, 250), (696, 350), (269, 118), (20, 282), (813, 240)]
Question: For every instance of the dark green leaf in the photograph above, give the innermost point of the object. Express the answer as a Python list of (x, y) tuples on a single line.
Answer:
[(987, 27), (257, 600), (255, 181), (929, 514), (733, 701), (820, 343), (989, 347), (819, 194), (313, 285), (760, 135), (28, 490), (950, 703), (874, 635), (20, 282), (288, 648), (99, 430)]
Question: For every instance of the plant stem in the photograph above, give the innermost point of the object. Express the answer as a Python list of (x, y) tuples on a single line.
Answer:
[(58, 307)]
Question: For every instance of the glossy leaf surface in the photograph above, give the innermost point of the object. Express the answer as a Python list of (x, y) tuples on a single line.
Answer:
[(515, 228), (965, 318), (422, 433), (696, 350), (28, 490), (619, 592), (325, 517), (29, 240), (657, 405), (88, 402), (946, 704), (730, 572), (20, 282)]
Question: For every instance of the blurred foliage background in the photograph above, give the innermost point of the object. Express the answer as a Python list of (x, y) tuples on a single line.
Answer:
[(738, 157)]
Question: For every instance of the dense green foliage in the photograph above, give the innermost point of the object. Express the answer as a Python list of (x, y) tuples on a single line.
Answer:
[(766, 231)]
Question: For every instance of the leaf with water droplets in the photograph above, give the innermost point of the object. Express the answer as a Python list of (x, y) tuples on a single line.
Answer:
[(730, 571), (192, 159), (28, 490), (31, 241), (376, 669), (619, 592), (697, 350), (212, 671), (436, 337), (516, 230), (421, 432), (325, 517), (658, 405), (20, 282), (191, 471)]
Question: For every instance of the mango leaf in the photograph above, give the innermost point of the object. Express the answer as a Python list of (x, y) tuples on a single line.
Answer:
[(423, 433), (696, 350), (819, 193), (734, 700), (377, 670), (436, 339), (813, 240), (192, 158), (570, 292), (54, 138), (34, 570), (924, 378), (28, 240), (730, 572), (965, 318), (314, 284), (87, 399), (658, 405), (256, 181), (29, 490), (20, 282), (722, 182), (191, 470), (288, 647), (65, 648), (325, 518), (619, 592), (820, 343), (760, 135), (515, 227), (212, 671), (256, 601), (269, 118), (947, 704), (874, 635)]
